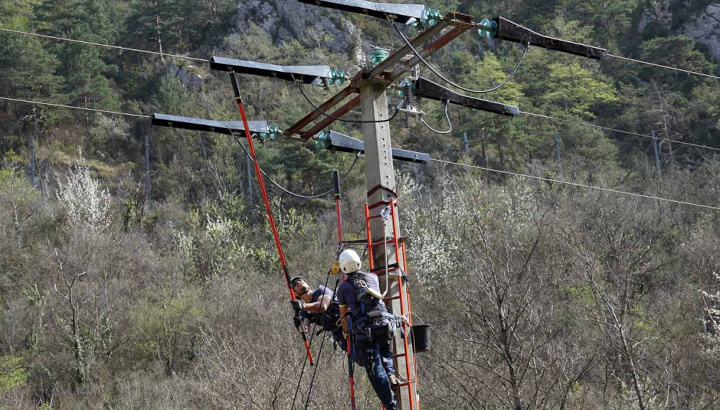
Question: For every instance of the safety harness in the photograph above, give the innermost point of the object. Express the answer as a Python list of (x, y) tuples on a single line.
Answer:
[(373, 321)]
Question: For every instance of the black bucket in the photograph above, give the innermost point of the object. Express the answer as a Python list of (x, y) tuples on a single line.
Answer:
[(420, 338)]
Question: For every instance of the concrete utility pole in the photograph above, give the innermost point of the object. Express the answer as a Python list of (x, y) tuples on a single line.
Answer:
[(467, 146), (557, 152), (147, 171), (32, 160), (657, 153), (380, 176)]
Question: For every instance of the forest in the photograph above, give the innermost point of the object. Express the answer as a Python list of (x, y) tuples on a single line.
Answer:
[(560, 262)]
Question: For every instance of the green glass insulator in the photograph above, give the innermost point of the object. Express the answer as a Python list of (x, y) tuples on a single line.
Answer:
[(434, 16), (378, 56), (263, 136), (339, 77), (488, 28), (323, 140), (274, 130), (331, 79)]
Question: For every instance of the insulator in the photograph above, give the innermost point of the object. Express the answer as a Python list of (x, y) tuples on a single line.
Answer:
[(487, 28), (322, 140), (407, 92), (378, 56)]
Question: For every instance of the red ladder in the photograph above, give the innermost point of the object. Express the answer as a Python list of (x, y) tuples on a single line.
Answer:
[(398, 268)]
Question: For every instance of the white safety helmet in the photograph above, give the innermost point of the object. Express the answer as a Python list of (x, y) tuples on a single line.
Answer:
[(349, 261)]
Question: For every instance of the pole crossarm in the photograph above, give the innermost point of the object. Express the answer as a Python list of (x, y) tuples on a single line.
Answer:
[(511, 31), (427, 89), (309, 74), (200, 124), (401, 13), (343, 143), (385, 72)]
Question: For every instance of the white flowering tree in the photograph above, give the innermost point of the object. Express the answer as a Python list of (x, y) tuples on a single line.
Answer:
[(85, 202)]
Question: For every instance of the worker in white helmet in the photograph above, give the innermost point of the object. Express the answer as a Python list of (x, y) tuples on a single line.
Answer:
[(367, 321)]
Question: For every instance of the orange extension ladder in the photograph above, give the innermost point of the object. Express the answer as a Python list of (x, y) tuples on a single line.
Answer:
[(398, 244)]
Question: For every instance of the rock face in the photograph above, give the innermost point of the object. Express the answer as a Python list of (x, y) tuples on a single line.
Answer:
[(705, 29), (288, 20)]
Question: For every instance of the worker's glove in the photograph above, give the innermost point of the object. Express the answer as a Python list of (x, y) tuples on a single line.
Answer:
[(297, 321), (298, 305)]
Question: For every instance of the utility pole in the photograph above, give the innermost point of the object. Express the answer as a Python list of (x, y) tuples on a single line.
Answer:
[(32, 160), (467, 146), (248, 172), (380, 176), (557, 152), (147, 171), (657, 153)]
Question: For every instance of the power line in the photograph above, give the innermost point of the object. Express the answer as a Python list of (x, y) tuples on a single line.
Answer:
[(91, 43), (247, 154), (137, 50), (74, 108), (409, 44), (667, 67), (587, 124), (577, 185)]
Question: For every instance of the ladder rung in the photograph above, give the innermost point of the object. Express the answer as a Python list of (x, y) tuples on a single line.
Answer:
[(391, 298), (382, 269), (399, 355), (385, 242)]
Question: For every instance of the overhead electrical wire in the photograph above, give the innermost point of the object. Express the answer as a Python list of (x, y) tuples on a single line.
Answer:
[(287, 191), (447, 116), (667, 67), (137, 50), (318, 109), (469, 90), (617, 130), (521, 112), (91, 43), (73, 107), (577, 185)]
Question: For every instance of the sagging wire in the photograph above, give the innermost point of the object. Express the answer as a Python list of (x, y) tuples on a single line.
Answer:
[(318, 109), (447, 116), (458, 86), (285, 189)]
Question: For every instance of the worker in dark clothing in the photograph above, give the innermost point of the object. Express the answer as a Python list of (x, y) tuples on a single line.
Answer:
[(319, 307), (370, 325)]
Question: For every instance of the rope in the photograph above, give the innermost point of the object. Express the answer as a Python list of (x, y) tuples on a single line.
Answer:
[(469, 90), (90, 43), (285, 189), (615, 191), (74, 108), (318, 109), (616, 130), (312, 380), (447, 116), (664, 66)]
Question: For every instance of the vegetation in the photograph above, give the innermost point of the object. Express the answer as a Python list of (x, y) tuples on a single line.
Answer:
[(540, 295)]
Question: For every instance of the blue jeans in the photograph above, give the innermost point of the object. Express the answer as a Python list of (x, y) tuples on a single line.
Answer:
[(378, 363)]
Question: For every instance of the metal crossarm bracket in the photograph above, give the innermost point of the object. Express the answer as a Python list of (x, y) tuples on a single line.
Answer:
[(401, 13), (308, 74), (427, 89), (344, 143), (508, 30), (199, 124)]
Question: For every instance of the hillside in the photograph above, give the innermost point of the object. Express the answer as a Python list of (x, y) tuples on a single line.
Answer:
[(551, 289)]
